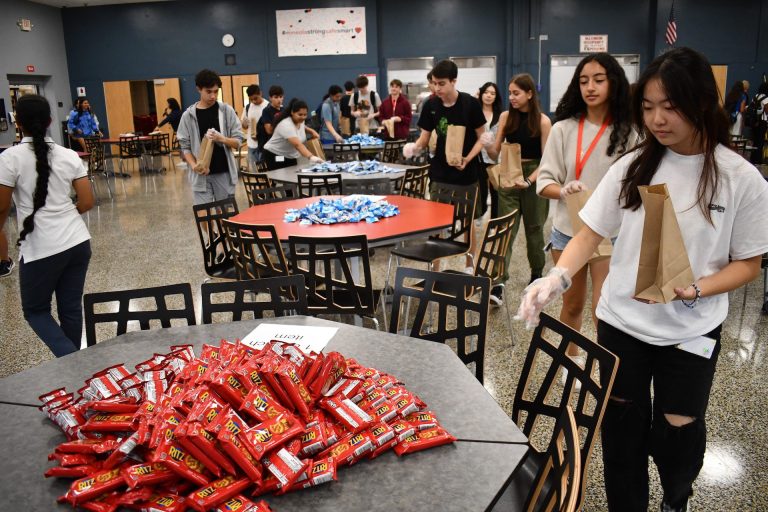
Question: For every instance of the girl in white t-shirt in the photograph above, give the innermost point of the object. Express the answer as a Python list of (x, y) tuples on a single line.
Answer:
[(54, 242), (592, 130), (721, 203), (290, 133)]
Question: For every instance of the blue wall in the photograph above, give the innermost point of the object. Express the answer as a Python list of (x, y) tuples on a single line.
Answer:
[(167, 39)]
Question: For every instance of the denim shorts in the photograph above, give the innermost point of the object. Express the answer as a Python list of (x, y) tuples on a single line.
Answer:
[(558, 240)]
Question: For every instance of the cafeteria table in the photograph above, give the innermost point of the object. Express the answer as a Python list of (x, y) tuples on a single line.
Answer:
[(469, 474), (290, 175)]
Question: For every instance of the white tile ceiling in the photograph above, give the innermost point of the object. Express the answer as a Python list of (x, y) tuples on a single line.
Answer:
[(85, 3)]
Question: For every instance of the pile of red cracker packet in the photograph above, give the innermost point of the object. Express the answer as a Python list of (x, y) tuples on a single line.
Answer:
[(211, 432)]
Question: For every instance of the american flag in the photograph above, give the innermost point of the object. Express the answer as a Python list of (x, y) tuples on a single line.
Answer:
[(671, 35)]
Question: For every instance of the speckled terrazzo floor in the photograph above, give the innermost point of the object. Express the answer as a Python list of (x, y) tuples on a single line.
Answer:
[(146, 237)]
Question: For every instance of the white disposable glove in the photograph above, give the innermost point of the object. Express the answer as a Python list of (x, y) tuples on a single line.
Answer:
[(316, 159), (212, 133), (540, 293), (571, 188), (410, 150), (487, 138)]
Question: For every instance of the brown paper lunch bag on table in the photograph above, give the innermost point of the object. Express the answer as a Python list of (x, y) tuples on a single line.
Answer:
[(664, 263), (574, 203), (314, 147), (454, 144), (509, 169)]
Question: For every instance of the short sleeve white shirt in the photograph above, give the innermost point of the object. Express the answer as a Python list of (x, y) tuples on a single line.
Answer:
[(58, 225), (739, 211), (279, 144), (254, 115)]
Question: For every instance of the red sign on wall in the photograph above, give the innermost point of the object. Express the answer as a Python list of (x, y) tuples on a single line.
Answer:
[(30, 69)]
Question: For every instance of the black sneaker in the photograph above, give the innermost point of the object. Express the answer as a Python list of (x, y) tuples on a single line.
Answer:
[(6, 267), (666, 507), (497, 295)]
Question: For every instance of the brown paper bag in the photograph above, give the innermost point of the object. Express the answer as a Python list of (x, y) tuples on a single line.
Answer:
[(454, 144), (574, 203), (389, 124), (345, 126), (314, 147), (509, 169), (362, 125), (206, 152), (664, 263), (432, 142)]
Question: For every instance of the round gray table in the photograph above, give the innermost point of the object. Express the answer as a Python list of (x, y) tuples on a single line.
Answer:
[(289, 175)]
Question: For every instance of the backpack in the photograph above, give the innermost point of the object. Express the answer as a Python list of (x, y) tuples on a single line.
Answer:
[(753, 114), (356, 97), (315, 121)]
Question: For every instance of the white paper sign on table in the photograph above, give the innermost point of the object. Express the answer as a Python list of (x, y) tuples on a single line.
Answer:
[(307, 338)]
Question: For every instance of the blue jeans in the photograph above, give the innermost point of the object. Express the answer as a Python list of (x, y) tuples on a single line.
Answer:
[(63, 274), (254, 155)]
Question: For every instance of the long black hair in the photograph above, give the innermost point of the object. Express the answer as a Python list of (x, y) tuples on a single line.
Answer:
[(174, 104), (33, 113), (734, 97), (687, 79), (496, 106), (572, 104), (293, 106)]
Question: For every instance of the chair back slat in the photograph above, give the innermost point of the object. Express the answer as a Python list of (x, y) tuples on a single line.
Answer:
[(124, 315), (319, 185), (273, 194), (463, 200), (539, 398), (256, 250), (286, 296), (465, 297), (210, 229), (393, 151), (345, 152), (491, 256), (414, 183), (254, 181)]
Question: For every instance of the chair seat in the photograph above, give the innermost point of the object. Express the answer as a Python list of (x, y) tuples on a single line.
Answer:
[(431, 250), (516, 493)]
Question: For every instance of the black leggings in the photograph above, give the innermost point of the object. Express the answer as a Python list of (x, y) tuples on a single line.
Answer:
[(634, 426)]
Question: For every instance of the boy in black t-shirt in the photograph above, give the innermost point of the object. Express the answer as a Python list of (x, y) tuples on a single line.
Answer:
[(265, 126), (450, 106)]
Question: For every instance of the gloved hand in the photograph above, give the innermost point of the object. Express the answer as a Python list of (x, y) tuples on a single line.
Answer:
[(316, 159), (410, 150), (540, 293), (487, 138), (212, 134), (571, 188)]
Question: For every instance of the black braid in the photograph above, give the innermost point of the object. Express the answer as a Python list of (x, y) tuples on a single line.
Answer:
[(34, 115)]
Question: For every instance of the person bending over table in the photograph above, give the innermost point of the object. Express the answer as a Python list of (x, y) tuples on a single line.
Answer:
[(289, 136), (219, 123)]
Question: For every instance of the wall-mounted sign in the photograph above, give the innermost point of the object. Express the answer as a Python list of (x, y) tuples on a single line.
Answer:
[(24, 24), (331, 31), (593, 43), (81, 91), (30, 68)]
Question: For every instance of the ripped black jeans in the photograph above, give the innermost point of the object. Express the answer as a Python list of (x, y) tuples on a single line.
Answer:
[(634, 426)]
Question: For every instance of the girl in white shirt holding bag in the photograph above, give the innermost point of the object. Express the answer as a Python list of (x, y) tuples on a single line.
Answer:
[(54, 242), (721, 203)]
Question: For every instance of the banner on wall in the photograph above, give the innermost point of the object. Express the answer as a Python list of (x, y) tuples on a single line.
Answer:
[(331, 31)]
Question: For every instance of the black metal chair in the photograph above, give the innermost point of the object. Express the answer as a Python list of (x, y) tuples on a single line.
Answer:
[(343, 152), (336, 284), (96, 164), (372, 186), (254, 181), (319, 185), (129, 149), (217, 256), (158, 146), (414, 183), (125, 313), (556, 486), (287, 296), (256, 250), (449, 294), (540, 399), (393, 151), (272, 194)]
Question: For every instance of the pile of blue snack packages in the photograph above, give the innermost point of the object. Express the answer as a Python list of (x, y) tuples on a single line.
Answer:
[(364, 140), (356, 168), (353, 208)]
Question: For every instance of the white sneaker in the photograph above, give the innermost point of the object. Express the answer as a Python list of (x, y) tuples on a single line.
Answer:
[(581, 361)]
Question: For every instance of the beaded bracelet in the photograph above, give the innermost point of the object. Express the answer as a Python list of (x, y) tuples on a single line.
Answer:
[(692, 303)]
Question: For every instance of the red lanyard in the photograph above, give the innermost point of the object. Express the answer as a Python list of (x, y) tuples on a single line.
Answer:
[(394, 105), (582, 161)]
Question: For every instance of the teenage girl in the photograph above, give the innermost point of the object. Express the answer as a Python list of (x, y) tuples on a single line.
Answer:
[(525, 124), (721, 203), (591, 131), (54, 242), (490, 99)]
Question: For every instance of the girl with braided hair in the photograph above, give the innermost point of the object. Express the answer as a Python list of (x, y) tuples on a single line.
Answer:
[(54, 242)]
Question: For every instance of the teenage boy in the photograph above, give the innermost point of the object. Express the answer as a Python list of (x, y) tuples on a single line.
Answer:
[(366, 102), (250, 118), (346, 106), (450, 107), (219, 123), (266, 124)]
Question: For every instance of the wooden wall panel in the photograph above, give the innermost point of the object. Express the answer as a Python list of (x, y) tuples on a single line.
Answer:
[(238, 83), (226, 89), (117, 100), (721, 77)]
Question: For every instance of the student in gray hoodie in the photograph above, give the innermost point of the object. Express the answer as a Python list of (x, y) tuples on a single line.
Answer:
[(218, 122)]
